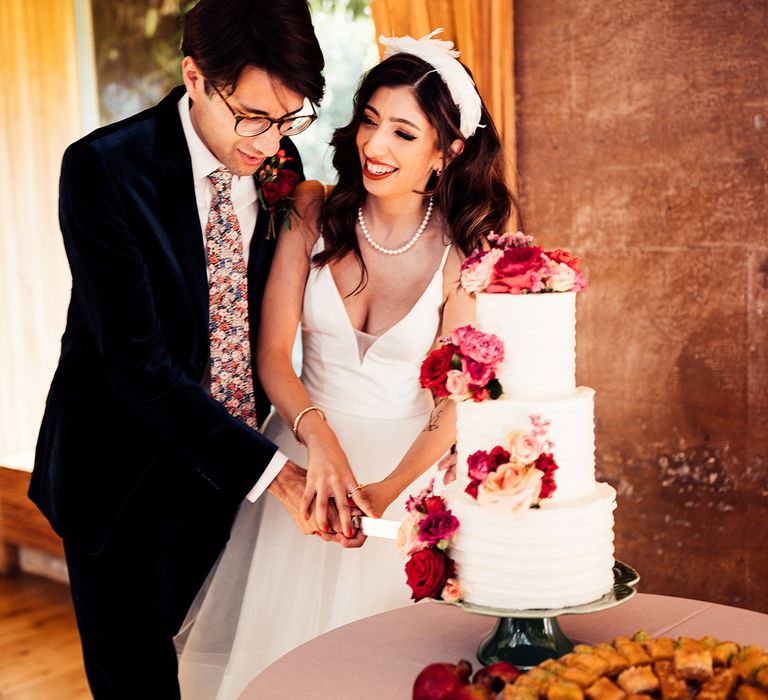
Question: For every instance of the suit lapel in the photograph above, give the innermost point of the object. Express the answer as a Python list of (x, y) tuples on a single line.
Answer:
[(259, 244), (177, 193)]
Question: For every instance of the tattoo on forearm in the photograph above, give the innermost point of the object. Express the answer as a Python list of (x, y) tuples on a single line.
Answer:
[(434, 418)]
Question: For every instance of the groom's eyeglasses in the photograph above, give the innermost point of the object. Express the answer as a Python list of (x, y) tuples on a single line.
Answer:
[(254, 126)]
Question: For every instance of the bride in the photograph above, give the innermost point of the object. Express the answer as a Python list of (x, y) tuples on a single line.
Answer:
[(370, 271)]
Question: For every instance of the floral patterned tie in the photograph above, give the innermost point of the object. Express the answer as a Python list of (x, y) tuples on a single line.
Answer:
[(231, 382)]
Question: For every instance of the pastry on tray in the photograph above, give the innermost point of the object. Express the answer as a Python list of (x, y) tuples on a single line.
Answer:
[(646, 668)]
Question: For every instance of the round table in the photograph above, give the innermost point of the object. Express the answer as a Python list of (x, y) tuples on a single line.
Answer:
[(379, 657)]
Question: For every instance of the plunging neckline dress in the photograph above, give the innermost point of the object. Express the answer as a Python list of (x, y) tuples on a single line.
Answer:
[(274, 588)]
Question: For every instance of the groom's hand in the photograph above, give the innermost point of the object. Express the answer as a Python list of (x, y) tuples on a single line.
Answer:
[(288, 487)]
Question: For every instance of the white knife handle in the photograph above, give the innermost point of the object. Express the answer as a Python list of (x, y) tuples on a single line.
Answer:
[(373, 527)]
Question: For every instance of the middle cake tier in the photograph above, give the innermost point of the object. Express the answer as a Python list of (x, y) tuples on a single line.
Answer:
[(482, 426)]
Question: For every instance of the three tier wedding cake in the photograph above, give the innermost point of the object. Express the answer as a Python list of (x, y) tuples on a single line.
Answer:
[(525, 525)]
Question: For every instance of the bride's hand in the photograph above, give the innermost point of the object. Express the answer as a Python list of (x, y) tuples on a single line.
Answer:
[(379, 495), (330, 476)]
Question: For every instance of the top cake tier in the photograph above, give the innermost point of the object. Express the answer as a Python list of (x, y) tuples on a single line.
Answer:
[(539, 336)]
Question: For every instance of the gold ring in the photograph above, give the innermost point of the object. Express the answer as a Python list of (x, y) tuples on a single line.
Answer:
[(357, 488)]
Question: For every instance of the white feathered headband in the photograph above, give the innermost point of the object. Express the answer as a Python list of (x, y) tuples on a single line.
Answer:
[(442, 57)]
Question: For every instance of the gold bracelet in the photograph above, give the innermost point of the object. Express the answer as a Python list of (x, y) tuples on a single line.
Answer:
[(298, 418)]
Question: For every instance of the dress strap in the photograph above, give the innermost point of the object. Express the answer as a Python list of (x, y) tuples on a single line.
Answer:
[(445, 257)]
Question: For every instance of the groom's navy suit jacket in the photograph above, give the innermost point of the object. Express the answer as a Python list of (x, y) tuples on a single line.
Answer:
[(126, 397)]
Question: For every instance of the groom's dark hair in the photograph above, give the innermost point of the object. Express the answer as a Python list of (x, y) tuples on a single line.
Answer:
[(225, 36)]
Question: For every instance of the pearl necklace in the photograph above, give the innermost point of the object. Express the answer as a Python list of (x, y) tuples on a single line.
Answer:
[(402, 248)]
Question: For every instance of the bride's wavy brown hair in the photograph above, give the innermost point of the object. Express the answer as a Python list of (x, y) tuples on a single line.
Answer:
[(471, 193)]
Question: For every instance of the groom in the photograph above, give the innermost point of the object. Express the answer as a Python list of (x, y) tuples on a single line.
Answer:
[(148, 443)]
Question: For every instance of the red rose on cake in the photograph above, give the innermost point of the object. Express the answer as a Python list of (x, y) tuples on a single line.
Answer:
[(427, 572), (481, 464), (518, 270), (546, 465), (434, 370)]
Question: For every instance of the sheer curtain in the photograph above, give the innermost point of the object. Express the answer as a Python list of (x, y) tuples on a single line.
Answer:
[(40, 116), (483, 30)]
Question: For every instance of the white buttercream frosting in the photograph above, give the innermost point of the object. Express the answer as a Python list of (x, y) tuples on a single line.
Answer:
[(539, 336), (551, 557), (481, 426)]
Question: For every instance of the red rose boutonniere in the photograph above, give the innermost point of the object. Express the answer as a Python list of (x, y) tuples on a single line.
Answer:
[(276, 185)]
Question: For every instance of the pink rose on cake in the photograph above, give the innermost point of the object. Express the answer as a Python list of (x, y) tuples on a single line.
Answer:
[(512, 488), (477, 271), (437, 526), (526, 447), (483, 348), (457, 385), (464, 366), (476, 372)]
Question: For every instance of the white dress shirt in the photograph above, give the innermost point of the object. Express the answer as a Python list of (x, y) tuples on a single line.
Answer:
[(245, 202)]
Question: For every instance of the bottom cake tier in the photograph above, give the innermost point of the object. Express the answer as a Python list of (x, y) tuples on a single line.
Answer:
[(549, 557)]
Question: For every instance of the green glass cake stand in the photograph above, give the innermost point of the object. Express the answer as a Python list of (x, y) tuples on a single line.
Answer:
[(525, 638)]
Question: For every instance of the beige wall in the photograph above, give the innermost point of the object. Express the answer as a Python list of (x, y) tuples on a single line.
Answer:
[(39, 117), (642, 142)]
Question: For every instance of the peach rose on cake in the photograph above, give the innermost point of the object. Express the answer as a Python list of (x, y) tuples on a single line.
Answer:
[(564, 272), (452, 591), (408, 541), (510, 488)]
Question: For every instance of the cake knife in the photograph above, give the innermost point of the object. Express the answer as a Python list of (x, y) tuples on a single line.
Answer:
[(377, 527)]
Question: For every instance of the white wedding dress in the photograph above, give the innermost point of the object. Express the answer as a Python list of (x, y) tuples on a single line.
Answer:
[(274, 588)]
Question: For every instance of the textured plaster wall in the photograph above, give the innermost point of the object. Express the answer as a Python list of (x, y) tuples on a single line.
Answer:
[(643, 147)]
